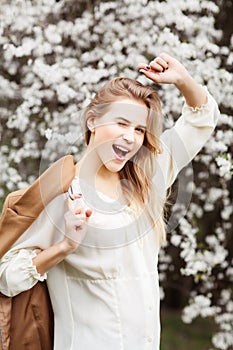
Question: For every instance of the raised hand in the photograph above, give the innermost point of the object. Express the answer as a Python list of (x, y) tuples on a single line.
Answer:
[(164, 69)]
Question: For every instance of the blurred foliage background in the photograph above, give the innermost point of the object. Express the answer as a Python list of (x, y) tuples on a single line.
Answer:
[(56, 54)]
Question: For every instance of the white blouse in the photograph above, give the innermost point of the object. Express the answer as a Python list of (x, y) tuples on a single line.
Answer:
[(105, 295)]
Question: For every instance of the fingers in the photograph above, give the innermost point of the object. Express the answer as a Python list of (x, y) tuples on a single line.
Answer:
[(143, 66), (165, 57), (75, 205), (158, 64), (76, 218), (72, 218), (77, 209)]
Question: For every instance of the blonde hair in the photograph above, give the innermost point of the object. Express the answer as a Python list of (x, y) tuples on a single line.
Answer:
[(139, 171)]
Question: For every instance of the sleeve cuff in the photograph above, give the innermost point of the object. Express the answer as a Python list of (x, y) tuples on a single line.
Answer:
[(26, 257), (203, 116)]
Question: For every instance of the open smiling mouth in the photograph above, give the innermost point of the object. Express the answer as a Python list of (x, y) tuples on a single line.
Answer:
[(120, 152)]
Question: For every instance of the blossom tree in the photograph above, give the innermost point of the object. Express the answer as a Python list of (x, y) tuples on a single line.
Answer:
[(56, 54)]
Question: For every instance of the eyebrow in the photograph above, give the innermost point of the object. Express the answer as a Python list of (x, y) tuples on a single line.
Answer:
[(127, 121)]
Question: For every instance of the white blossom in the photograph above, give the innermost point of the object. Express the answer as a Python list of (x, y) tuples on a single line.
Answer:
[(52, 65), (225, 166)]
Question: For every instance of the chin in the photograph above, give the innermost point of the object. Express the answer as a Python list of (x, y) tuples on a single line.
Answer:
[(114, 168)]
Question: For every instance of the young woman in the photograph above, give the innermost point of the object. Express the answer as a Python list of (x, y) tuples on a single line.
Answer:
[(98, 244)]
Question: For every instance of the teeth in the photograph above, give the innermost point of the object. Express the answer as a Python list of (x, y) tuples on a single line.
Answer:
[(120, 149), (123, 150)]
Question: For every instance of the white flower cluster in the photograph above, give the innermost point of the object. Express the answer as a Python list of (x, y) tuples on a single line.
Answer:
[(55, 55), (200, 306), (224, 338), (225, 165)]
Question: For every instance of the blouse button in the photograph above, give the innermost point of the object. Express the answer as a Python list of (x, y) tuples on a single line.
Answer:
[(149, 340)]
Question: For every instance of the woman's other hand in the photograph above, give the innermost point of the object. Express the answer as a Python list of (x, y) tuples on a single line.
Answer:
[(76, 219)]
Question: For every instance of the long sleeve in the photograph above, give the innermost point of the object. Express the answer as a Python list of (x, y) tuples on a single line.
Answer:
[(183, 141), (17, 272)]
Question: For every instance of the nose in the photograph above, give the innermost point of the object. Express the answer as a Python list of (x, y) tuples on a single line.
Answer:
[(129, 135)]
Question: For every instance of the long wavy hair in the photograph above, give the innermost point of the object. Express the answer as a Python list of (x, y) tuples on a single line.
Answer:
[(137, 173)]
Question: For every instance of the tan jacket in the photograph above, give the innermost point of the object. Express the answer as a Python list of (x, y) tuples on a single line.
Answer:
[(26, 320)]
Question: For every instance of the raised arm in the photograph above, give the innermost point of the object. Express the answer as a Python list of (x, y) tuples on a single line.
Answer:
[(191, 131)]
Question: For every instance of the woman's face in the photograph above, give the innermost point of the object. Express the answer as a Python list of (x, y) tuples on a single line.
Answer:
[(118, 135)]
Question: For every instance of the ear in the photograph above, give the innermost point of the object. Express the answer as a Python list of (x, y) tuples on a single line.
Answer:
[(90, 121)]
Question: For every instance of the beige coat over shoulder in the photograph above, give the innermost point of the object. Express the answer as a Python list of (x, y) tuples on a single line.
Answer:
[(32, 329)]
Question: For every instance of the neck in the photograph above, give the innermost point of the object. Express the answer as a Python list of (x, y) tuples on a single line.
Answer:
[(106, 175), (92, 170)]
